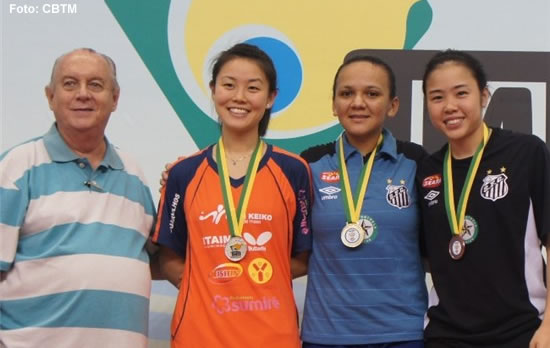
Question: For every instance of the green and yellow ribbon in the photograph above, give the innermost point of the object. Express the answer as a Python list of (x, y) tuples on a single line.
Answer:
[(236, 217), (353, 205), (456, 225)]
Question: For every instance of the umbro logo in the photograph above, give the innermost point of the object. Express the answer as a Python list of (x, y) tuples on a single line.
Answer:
[(431, 197), (330, 192)]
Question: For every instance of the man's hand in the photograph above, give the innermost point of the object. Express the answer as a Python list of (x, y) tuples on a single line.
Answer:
[(164, 173)]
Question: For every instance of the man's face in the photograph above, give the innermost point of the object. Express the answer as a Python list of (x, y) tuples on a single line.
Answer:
[(83, 94)]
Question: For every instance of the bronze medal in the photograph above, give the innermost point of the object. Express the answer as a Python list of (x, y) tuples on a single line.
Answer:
[(457, 247)]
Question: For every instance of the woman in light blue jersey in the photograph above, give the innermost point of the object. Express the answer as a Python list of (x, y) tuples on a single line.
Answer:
[(365, 277)]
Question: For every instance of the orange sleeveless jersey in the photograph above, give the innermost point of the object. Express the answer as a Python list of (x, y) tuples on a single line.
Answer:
[(249, 303)]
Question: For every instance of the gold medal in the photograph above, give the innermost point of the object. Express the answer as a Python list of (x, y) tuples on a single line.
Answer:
[(457, 246), (352, 235), (235, 249)]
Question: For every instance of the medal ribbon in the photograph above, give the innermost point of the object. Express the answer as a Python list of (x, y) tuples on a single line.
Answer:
[(235, 218), (456, 225), (353, 205)]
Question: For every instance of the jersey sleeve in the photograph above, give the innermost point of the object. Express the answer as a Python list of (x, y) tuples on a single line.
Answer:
[(418, 154), (302, 239), (14, 200), (418, 185), (540, 189), (412, 151), (171, 226)]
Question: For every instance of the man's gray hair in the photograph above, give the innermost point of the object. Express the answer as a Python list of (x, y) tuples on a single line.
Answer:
[(108, 59)]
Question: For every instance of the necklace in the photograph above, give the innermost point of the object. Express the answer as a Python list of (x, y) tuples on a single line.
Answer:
[(234, 161)]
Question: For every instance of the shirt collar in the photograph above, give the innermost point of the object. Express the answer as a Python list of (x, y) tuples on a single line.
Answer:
[(389, 145), (60, 152)]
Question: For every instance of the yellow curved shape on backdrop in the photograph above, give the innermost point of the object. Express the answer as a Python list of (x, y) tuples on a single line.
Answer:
[(322, 32)]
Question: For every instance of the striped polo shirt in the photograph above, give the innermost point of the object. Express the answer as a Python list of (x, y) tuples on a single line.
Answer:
[(75, 272)]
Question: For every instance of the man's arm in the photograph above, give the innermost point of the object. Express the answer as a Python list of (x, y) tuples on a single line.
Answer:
[(154, 265), (171, 266)]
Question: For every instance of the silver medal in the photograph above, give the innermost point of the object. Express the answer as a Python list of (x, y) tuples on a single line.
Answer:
[(352, 235), (235, 249)]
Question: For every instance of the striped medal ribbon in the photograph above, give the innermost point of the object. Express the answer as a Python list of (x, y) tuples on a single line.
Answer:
[(457, 246), (235, 248), (353, 234)]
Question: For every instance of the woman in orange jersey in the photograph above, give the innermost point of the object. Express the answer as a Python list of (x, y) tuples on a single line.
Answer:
[(231, 217)]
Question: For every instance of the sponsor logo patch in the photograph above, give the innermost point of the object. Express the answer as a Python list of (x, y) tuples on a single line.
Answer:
[(257, 218), (330, 177), (225, 273), (215, 241), (329, 192), (431, 195), (216, 215), (257, 244), (225, 304), (260, 270), (432, 181)]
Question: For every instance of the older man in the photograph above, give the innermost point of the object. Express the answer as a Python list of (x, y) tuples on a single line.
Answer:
[(75, 216)]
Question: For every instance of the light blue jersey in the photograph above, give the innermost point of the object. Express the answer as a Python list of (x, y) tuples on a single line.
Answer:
[(75, 272), (374, 293)]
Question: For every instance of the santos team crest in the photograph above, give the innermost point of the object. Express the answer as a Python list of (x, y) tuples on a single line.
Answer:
[(494, 187), (398, 196), (307, 41)]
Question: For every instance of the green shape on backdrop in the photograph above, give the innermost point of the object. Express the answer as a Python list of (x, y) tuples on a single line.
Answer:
[(419, 20)]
